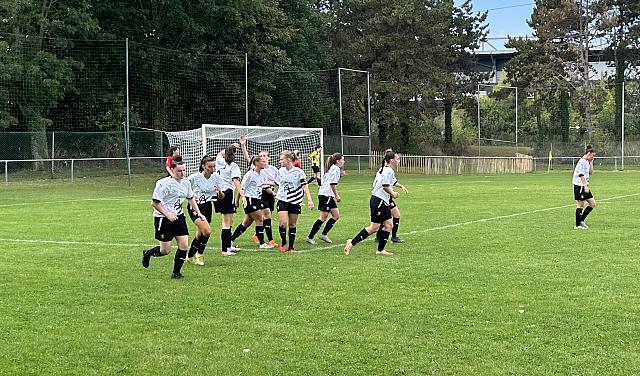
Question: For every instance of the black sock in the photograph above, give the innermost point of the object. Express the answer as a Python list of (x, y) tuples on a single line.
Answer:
[(267, 229), (181, 255), (195, 246), (578, 216), (394, 230), (260, 233), (328, 226), (203, 243), (316, 227), (225, 238), (384, 237), (362, 235), (292, 236), (155, 252), (283, 235), (586, 212), (239, 231)]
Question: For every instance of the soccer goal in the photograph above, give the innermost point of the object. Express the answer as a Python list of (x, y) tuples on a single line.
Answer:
[(211, 138)]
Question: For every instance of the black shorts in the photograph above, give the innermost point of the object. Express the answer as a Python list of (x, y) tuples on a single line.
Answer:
[(253, 204), (206, 209), (392, 204), (580, 195), (289, 207), (226, 205), (326, 203), (268, 200), (167, 230), (380, 211), (315, 169)]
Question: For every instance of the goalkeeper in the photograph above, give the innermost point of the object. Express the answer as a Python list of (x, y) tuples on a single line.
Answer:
[(314, 156)]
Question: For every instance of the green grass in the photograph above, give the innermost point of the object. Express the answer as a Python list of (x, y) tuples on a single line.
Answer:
[(514, 290)]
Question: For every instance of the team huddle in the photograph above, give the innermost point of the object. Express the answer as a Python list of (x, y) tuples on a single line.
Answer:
[(220, 186)]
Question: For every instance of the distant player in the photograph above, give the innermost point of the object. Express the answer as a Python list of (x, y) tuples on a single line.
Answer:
[(169, 221), (252, 184), (292, 185), (296, 159), (269, 174), (581, 190), (328, 198), (314, 157), (395, 214), (229, 173), (379, 204), (174, 151), (206, 189)]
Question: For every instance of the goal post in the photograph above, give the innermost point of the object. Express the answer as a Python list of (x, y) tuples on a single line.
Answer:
[(211, 138)]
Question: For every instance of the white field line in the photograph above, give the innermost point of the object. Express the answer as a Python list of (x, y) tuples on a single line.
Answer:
[(133, 198), (70, 242)]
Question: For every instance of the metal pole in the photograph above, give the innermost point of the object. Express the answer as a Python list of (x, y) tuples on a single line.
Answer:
[(478, 120), (516, 119), (368, 113), (622, 146), (340, 108), (126, 126), (246, 89), (53, 150), (6, 173), (72, 170)]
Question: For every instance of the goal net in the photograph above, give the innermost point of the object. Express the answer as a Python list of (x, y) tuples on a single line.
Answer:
[(211, 138)]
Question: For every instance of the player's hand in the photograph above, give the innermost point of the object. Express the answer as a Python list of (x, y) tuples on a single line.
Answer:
[(244, 202), (201, 216), (310, 204), (586, 188), (237, 145), (395, 194), (243, 140), (404, 189), (172, 217), (338, 198)]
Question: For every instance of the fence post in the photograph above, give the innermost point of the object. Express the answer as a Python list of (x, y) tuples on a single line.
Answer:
[(6, 173), (72, 170), (615, 163), (358, 164)]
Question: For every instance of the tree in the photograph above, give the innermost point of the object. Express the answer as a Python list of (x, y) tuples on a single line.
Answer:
[(618, 22), (35, 64)]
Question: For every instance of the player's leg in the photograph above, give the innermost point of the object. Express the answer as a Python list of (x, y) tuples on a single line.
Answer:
[(182, 241), (592, 205), (293, 220), (395, 213), (384, 237), (335, 215), (164, 234), (283, 217), (579, 206), (225, 234), (317, 224)]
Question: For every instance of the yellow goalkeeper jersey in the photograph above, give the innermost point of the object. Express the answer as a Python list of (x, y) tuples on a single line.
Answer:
[(315, 158)]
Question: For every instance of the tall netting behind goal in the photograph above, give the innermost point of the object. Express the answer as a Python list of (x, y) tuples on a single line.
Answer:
[(210, 139)]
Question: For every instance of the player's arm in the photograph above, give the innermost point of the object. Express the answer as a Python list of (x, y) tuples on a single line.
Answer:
[(239, 192), (334, 188), (305, 187), (157, 204), (402, 187), (243, 146), (585, 184), (389, 189)]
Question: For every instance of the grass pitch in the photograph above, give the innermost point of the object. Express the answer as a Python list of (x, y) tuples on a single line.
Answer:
[(492, 280)]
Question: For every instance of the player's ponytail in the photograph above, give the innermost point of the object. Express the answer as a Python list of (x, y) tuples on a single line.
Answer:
[(172, 150), (229, 154), (332, 159), (388, 156)]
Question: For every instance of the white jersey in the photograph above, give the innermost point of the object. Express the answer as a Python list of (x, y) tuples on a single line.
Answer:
[(385, 178), (204, 189), (227, 173), (269, 173), (171, 193), (582, 168), (332, 177), (252, 184), (291, 183)]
